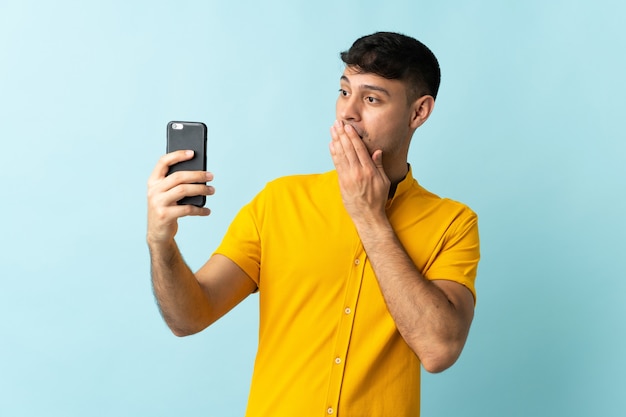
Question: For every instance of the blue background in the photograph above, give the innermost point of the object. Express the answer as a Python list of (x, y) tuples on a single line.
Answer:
[(527, 131)]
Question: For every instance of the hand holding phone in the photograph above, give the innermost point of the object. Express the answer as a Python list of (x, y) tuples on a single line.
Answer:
[(188, 136)]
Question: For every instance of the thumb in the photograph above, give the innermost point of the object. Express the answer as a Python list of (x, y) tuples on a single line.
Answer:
[(377, 158)]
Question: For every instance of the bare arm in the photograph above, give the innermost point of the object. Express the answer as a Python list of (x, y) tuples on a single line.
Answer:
[(433, 317), (188, 302)]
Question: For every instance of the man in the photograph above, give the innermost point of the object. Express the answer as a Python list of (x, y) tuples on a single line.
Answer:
[(363, 275)]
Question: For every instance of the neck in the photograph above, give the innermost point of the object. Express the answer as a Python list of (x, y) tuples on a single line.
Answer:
[(396, 178), (397, 172)]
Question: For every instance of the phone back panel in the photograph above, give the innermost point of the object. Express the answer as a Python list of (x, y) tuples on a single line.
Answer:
[(183, 136)]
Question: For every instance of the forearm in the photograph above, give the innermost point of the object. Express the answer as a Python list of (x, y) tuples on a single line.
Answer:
[(426, 318), (183, 304)]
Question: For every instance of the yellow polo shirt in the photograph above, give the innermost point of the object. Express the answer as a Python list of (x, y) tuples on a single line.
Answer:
[(327, 344)]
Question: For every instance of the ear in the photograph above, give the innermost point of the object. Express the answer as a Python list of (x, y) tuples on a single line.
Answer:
[(421, 110)]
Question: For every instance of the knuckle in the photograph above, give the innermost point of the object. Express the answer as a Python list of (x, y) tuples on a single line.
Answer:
[(189, 210), (160, 214), (181, 191)]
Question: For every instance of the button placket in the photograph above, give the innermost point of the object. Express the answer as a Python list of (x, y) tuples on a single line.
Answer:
[(344, 330)]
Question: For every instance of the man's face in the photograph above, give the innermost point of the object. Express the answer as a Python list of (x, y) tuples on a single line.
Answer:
[(378, 109)]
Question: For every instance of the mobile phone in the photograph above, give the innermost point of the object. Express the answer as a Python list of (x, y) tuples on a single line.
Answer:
[(184, 136)]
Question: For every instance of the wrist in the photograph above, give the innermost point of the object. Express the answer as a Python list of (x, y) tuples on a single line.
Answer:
[(160, 245), (374, 227)]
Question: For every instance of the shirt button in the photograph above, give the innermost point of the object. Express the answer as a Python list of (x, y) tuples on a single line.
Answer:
[(330, 410), (357, 261), (337, 361), (347, 310)]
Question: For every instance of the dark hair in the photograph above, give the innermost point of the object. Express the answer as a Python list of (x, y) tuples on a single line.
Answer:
[(397, 57)]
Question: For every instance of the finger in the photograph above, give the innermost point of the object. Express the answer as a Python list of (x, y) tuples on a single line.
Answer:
[(178, 211), (338, 158), (167, 160), (377, 158), (168, 191), (357, 146), (335, 148), (175, 194), (183, 177), (343, 144)]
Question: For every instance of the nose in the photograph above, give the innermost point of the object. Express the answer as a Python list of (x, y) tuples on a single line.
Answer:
[(347, 109)]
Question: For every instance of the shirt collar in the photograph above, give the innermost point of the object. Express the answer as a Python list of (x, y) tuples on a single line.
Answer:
[(402, 186)]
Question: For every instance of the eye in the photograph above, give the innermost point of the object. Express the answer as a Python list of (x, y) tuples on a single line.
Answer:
[(343, 92), (371, 100)]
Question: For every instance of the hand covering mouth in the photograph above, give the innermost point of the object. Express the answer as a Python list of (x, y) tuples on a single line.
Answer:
[(357, 130)]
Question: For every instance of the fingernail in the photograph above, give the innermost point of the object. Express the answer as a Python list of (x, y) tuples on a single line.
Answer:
[(188, 153)]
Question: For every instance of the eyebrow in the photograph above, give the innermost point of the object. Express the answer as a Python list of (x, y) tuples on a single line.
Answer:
[(368, 86)]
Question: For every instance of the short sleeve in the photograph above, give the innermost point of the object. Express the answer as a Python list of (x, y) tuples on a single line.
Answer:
[(242, 241), (460, 252)]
